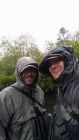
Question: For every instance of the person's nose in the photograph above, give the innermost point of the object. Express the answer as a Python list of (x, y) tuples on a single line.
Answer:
[(29, 73)]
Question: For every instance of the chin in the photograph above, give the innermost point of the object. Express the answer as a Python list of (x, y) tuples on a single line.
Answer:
[(56, 77), (29, 84)]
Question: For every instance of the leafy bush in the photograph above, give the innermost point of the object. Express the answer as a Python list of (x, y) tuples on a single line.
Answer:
[(6, 80), (45, 83)]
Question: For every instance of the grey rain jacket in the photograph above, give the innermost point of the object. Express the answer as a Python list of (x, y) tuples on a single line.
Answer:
[(65, 121), (20, 117)]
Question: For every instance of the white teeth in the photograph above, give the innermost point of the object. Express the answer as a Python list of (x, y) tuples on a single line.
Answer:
[(57, 70)]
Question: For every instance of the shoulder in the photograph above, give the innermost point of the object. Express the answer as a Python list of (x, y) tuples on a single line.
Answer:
[(9, 97), (40, 94), (5, 91), (40, 90), (8, 93), (6, 104)]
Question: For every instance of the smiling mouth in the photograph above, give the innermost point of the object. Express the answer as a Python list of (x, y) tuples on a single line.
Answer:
[(56, 70), (29, 78)]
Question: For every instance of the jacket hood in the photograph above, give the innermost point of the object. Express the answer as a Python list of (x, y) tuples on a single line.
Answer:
[(23, 63), (63, 52)]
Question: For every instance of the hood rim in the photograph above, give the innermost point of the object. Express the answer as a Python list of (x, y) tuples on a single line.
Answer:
[(35, 66), (44, 65)]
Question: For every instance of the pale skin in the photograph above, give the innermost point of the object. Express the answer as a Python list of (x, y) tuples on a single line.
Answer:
[(28, 76), (56, 69)]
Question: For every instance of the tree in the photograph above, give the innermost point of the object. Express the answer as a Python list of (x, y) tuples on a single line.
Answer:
[(63, 34), (49, 45), (75, 37), (14, 49)]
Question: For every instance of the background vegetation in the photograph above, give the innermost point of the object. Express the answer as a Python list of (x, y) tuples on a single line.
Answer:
[(25, 45)]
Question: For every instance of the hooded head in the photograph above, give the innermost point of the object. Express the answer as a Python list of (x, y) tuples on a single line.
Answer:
[(59, 53), (23, 64)]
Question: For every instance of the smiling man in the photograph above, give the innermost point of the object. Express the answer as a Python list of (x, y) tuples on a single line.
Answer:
[(29, 75), (56, 68), (22, 113), (61, 65)]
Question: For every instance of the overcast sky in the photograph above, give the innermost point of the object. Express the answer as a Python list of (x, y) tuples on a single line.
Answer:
[(40, 18)]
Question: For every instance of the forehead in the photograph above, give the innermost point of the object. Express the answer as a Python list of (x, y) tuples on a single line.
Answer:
[(55, 61)]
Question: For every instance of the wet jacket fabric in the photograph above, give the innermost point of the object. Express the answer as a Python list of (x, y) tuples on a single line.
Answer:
[(65, 121), (20, 117)]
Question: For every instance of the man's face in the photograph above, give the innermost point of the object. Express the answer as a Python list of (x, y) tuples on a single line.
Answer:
[(56, 69), (29, 75)]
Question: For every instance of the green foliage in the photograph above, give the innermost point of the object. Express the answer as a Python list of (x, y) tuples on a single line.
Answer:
[(6, 80), (14, 49), (76, 48), (74, 44), (45, 83), (26, 46)]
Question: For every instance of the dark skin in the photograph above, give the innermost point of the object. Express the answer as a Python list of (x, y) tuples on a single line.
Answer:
[(29, 75)]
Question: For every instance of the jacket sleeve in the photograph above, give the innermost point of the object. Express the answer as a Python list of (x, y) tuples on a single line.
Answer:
[(5, 116)]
